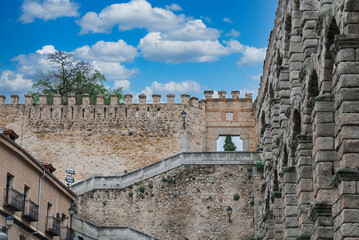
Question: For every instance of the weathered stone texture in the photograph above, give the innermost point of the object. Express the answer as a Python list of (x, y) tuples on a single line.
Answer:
[(186, 202), (312, 147), (108, 139)]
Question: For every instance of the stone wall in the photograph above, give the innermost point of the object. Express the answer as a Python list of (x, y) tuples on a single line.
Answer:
[(104, 140), (307, 122), (230, 117), (188, 202)]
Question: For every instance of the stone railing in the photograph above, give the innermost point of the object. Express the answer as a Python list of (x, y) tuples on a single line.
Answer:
[(194, 158), (88, 231)]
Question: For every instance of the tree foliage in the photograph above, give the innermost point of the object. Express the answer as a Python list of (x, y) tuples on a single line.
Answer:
[(229, 145), (69, 75)]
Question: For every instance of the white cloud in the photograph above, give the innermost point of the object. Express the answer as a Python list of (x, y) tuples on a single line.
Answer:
[(174, 7), (252, 56), (154, 48), (47, 9), (47, 49), (170, 87), (255, 77), (182, 87), (118, 51), (33, 64), (193, 30), (233, 33), (134, 14), (227, 20), (11, 82), (124, 84), (113, 70)]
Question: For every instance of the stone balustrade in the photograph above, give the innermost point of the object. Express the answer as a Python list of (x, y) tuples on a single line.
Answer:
[(194, 158)]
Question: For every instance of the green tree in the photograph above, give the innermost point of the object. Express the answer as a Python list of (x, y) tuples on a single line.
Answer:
[(229, 145), (69, 75)]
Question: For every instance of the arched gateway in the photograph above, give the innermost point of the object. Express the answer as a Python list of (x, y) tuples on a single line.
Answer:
[(229, 117)]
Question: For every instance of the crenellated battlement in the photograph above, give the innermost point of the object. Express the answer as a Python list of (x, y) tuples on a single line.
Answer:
[(128, 99), (126, 135)]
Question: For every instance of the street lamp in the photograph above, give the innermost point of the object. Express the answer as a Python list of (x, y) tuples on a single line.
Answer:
[(71, 212), (183, 114), (229, 212), (9, 223)]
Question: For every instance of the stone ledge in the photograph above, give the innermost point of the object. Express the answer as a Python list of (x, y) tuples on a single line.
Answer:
[(152, 170), (344, 174), (320, 209), (90, 231)]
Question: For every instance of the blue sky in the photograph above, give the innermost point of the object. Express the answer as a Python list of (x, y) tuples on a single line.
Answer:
[(153, 46)]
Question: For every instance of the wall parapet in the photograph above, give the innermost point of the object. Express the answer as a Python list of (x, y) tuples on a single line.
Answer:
[(190, 158), (128, 99), (90, 231)]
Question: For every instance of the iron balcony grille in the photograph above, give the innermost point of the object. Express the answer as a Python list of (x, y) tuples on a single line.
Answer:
[(65, 233), (53, 226), (30, 211), (13, 199)]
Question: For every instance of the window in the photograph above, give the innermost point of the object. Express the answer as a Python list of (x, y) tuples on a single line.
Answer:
[(49, 209), (26, 192), (9, 180)]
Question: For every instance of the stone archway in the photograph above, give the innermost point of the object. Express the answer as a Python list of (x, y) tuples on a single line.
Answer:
[(215, 133)]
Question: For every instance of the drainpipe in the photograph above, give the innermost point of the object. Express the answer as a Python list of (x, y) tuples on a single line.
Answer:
[(38, 210)]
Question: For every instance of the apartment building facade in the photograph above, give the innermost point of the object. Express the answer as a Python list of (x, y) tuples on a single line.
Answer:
[(37, 201)]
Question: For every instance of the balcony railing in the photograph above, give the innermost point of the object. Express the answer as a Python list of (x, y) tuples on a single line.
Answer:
[(30, 211), (53, 226), (65, 233), (13, 199)]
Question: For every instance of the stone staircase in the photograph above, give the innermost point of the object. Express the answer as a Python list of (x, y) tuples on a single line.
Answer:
[(88, 231), (189, 158)]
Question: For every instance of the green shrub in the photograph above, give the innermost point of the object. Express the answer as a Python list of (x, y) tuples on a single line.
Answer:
[(142, 189), (208, 207), (141, 195), (130, 194), (259, 166), (150, 185), (249, 169), (104, 203), (236, 197)]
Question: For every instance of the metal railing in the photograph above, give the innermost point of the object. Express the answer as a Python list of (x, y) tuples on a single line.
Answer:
[(13, 199), (53, 226), (30, 211), (65, 233)]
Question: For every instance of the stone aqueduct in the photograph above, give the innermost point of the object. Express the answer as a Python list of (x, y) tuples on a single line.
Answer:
[(306, 119), (307, 114)]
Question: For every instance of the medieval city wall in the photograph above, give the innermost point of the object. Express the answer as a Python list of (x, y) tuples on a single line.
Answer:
[(188, 202), (308, 122), (105, 140)]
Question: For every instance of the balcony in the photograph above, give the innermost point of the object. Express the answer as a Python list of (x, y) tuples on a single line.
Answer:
[(65, 233), (53, 226), (13, 199), (30, 211)]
